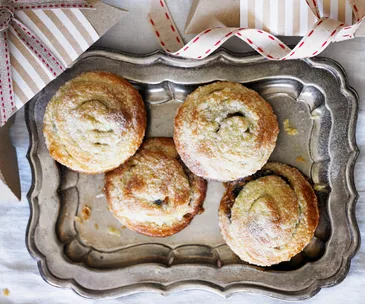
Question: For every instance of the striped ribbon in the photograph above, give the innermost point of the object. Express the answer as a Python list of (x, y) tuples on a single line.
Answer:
[(30, 40), (324, 31)]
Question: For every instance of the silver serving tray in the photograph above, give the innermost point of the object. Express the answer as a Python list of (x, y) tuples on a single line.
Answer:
[(312, 94)]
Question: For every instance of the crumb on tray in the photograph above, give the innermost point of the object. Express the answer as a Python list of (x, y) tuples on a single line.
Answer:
[(86, 213), (320, 187), (288, 129), (6, 292), (113, 231), (96, 226), (300, 159), (315, 115), (78, 219)]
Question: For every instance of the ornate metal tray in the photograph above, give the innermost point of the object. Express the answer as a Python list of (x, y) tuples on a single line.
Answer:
[(98, 258)]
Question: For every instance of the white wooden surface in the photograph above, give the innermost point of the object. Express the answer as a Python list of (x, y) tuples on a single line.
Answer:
[(19, 272)]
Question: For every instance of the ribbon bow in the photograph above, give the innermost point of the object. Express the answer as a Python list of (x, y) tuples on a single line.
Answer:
[(31, 41)]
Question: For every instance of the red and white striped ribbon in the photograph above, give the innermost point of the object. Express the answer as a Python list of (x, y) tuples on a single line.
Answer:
[(324, 31), (30, 40)]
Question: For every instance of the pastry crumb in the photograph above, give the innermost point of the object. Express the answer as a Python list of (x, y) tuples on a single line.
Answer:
[(314, 116), (123, 227), (288, 129), (78, 219), (320, 187), (100, 195), (96, 226), (6, 292), (113, 231), (300, 159), (86, 213)]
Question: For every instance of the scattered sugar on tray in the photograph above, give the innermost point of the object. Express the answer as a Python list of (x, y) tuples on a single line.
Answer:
[(100, 195), (78, 219), (288, 129)]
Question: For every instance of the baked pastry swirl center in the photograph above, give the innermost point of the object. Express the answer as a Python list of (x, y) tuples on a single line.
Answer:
[(228, 123), (270, 216), (96, 126), (225, 131), (94, 123), (236, 126), (266, 209), (153, 193), (157, 187)]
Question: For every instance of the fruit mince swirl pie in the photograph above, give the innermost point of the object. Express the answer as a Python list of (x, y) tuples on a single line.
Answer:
[(153, 193), (269, 217), (225, 131), (94, 123)]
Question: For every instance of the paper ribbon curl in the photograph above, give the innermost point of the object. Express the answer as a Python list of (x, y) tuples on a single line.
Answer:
[(324, 31), (30, 40)]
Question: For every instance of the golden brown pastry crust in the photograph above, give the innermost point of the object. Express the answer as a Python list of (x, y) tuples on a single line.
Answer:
[(225, 131), (94, 123), (153, 193), (269, 217)]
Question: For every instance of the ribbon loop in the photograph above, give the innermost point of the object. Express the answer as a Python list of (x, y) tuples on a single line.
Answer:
[(6, 14), (323, 32)]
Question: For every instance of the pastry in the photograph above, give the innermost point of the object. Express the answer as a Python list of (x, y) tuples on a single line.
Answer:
[(225, 131), (153, 193), (94, 123), (269, 217)]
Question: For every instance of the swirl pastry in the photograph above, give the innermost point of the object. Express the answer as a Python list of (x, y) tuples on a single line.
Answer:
[(94, 123), (153, 193), (269, 217), (225, 131)]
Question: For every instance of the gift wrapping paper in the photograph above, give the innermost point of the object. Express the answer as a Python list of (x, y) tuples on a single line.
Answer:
[(290, 17), (66, 32)]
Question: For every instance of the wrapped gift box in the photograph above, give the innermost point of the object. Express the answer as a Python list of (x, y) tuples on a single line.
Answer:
[(280, 17)]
